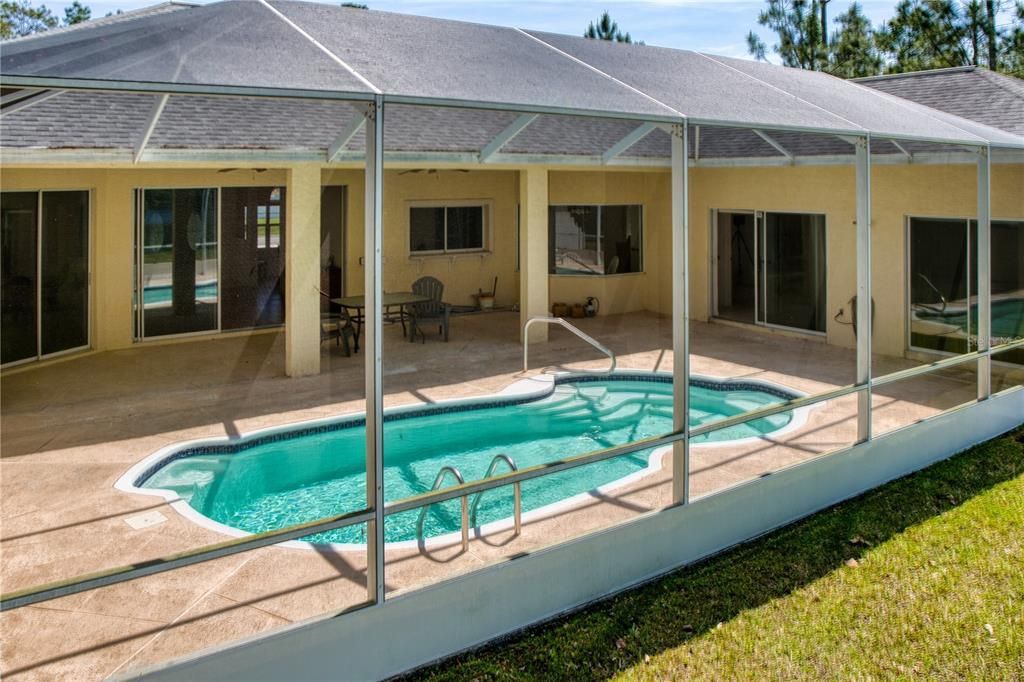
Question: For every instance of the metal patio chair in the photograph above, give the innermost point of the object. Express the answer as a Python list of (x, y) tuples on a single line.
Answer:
[(338, 325), (433, 311)]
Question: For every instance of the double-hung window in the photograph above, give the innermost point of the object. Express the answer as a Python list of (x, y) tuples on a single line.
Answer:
[(451, 227)]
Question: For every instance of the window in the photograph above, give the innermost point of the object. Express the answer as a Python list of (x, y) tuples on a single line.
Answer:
[(943, 284), (595, 240), (449, 228)]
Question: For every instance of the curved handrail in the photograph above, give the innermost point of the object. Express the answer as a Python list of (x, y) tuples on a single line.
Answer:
[(934, 288), (516, 487), (561, 322), (438, 480)]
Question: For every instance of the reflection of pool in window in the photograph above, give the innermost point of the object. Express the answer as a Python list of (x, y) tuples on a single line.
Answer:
[(944, 284), (595, 240)]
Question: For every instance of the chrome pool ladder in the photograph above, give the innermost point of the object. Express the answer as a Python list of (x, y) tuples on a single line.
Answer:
[(517, 492), (465, 505), (575, 330)]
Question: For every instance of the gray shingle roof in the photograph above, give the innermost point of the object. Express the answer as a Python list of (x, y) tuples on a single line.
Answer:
[(970, 92), (300, 48)]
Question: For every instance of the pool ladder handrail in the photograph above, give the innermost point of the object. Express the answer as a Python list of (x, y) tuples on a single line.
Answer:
[(517, 493), (575, 330), (447, 469)]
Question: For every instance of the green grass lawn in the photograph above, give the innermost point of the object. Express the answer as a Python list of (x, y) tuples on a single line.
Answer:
[(921, 578)]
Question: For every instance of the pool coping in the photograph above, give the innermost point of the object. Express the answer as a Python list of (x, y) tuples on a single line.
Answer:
[(524, 390)]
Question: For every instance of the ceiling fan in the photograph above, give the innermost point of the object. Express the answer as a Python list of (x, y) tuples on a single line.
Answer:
[(431, 171), (229, 170)]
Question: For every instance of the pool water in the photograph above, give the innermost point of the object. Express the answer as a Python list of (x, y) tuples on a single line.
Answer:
[(1007, 318), (260, 486), (162, 293)]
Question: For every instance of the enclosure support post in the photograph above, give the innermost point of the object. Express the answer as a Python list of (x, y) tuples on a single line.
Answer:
[(533, 251), (373, 348), (984, 331), (680, 312), (302, 271), (864, 307)]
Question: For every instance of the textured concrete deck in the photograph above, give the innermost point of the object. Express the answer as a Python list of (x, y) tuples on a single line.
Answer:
[(70, 430)]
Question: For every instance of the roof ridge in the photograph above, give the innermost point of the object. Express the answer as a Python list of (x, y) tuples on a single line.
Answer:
[(914, 74), (1004, 82)]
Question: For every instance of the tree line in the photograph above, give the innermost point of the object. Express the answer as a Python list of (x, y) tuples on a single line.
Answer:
[(921, 35)]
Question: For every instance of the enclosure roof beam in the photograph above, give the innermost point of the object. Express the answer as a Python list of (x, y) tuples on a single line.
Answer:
[(154, 117), (770, 140), (27, 101), (339, 143), (505, 136), (634, 136)]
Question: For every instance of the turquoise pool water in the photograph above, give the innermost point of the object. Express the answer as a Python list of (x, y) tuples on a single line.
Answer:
[(279, 481), (1007, 318), (162, 294)]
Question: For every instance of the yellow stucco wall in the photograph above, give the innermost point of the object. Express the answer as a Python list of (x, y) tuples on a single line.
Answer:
[(897, 191)]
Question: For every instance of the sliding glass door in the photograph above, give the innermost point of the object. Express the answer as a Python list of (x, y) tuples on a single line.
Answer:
[(793, 278), (769, 269), (44, 273), (209, 259), (252, 264), (177, 262)]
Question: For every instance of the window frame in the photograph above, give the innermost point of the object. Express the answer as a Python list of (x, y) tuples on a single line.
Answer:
[(643, 237), (486, 207)]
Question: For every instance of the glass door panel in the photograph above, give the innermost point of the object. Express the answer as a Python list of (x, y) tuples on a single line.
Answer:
[(64, 272), (939, 276), (179, 261), (19, 230), (736, 277), (252, 265), (794, 270)]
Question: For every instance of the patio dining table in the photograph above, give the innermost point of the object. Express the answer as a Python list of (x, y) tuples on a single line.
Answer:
[(399, 299)]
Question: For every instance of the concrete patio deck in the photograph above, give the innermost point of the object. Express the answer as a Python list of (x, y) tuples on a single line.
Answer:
[(70, 430)]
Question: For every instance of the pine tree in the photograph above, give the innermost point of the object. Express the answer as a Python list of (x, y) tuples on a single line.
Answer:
[(797, 25), (606, 29), (76, 13), (853, 52), (19, 18)]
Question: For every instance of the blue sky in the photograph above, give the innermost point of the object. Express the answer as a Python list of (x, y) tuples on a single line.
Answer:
[(714, 26)]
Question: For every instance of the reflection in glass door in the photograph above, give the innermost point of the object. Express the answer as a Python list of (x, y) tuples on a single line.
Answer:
[(44, 272), (769, 269), (177, 261)]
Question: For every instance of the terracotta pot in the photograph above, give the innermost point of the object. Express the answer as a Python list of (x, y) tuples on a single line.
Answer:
[(577, 310), (559, 309)]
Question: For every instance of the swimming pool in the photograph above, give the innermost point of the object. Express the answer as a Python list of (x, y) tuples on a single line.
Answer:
[(269, 481)]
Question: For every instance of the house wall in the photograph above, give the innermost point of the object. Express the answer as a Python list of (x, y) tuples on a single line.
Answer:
[(464, 274), (897, 191)]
